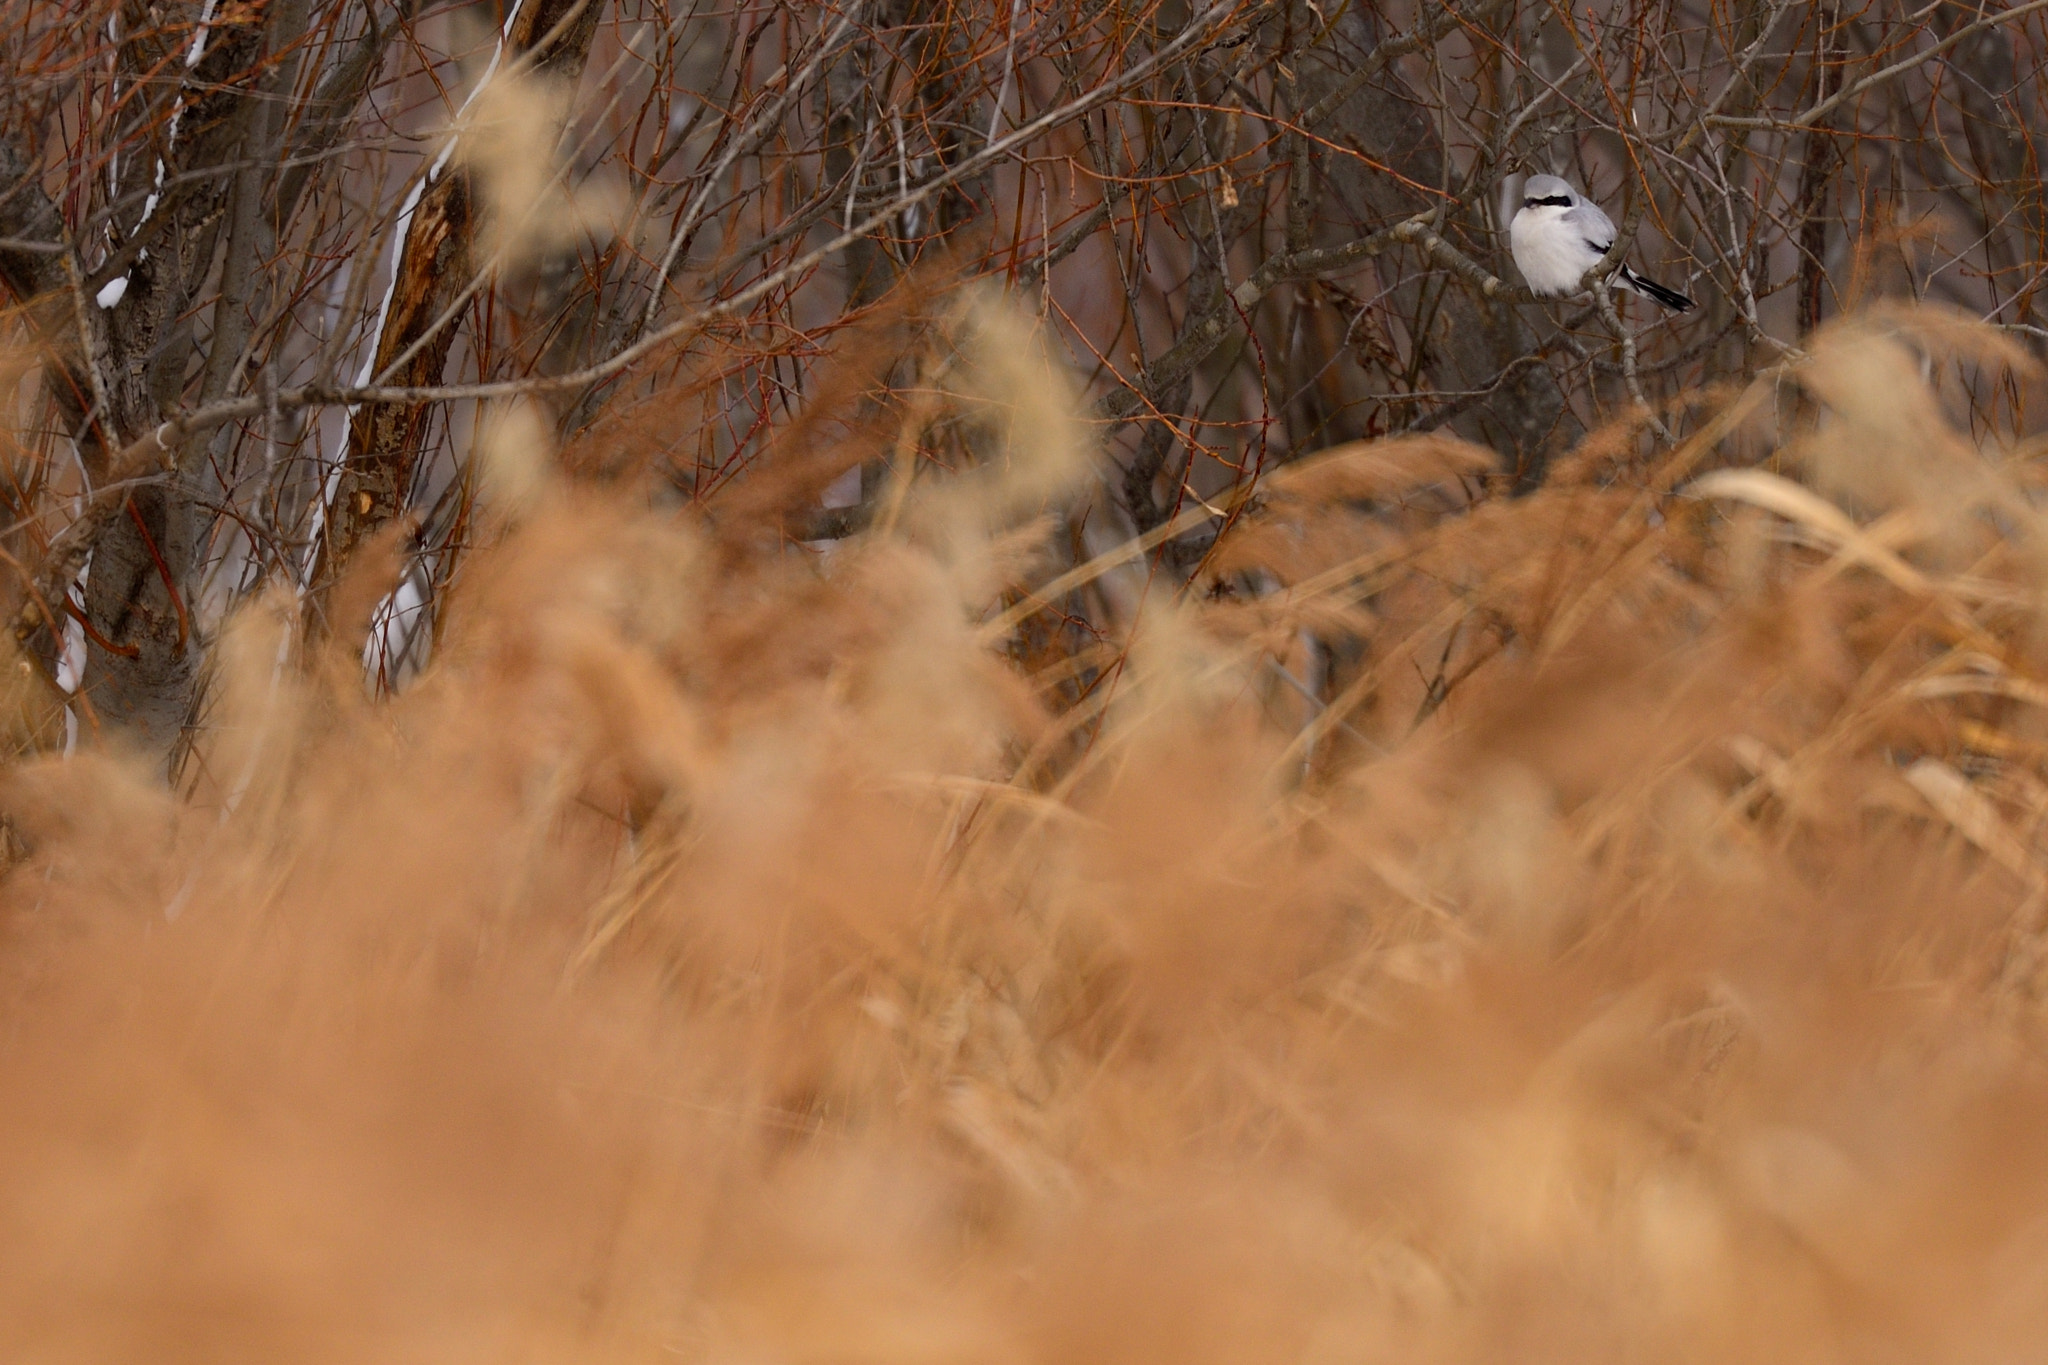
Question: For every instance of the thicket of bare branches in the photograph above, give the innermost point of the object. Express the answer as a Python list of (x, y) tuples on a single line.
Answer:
[(271, 262), (884, 682)]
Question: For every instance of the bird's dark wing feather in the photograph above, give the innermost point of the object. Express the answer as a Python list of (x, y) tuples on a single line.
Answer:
[(1650, 289)]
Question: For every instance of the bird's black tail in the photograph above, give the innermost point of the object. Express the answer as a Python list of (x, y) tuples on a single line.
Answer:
[(1650, 289)]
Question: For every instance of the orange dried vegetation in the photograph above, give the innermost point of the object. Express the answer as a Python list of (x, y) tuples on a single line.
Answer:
[(723, 954)]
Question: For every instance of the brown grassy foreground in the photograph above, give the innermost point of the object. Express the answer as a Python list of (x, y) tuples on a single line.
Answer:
[(721, 957)]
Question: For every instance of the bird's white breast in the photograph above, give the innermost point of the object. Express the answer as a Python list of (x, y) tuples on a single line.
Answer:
[(1549, 252)]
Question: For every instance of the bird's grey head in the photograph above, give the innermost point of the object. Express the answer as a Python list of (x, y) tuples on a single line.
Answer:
[(1548, 191)]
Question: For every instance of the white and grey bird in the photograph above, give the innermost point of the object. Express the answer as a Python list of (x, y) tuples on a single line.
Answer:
[(1558, 235)]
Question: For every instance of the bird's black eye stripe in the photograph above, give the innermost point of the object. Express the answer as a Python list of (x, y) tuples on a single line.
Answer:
[(1600, 247), (1562, 201)]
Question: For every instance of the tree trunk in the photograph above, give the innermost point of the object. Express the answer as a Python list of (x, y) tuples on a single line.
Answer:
[(436, 265)]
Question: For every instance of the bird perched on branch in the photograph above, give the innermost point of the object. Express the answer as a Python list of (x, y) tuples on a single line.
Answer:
[(1558, 235)]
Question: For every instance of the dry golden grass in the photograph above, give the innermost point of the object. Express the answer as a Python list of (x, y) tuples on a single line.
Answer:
[(726, 956)]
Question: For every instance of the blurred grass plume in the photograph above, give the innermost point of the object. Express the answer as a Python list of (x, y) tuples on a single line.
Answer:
[(1632, 949)]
